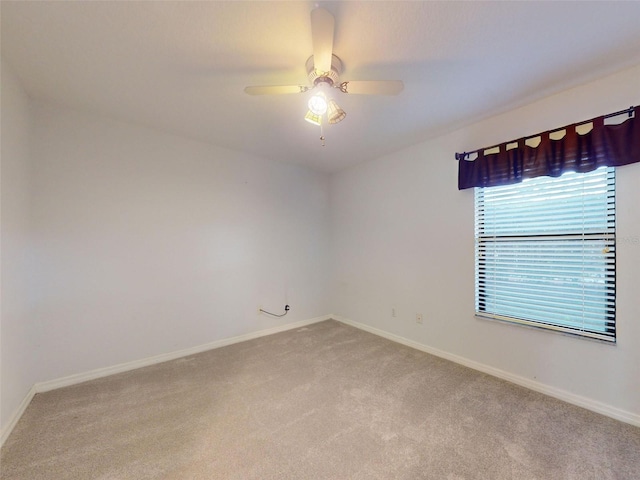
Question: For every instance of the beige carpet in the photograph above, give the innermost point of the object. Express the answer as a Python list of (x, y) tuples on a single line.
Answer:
[(322, 402)]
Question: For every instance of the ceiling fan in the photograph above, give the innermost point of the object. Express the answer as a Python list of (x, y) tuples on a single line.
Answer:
[(324, 69)]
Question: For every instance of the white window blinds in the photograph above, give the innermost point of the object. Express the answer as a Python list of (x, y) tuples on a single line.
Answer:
[(545, 253)]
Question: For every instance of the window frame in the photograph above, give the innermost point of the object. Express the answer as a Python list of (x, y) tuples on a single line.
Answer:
[(606, 332)]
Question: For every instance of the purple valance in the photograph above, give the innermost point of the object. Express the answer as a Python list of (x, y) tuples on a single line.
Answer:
[(604, 145)]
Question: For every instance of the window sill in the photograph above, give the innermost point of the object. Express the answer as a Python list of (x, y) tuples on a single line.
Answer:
[(548, 328)]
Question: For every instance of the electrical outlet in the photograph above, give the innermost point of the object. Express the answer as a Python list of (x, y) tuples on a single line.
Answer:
[(393, 312), (419, 318)]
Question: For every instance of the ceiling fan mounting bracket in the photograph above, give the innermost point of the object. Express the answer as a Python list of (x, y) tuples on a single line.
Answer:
[(332, 77)]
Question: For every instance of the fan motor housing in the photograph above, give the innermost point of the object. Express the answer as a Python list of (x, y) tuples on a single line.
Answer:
[(330, 77)]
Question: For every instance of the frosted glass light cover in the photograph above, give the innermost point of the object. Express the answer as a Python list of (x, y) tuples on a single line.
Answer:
[(318, 104)]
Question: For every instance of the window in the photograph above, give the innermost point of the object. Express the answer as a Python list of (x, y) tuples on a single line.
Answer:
[(545, 253)]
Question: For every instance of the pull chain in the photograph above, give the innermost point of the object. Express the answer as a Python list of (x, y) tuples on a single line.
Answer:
[(321, 135)]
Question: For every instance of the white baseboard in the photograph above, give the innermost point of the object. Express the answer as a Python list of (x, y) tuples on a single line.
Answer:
[(144, 362), (17, 414), (584, 402)]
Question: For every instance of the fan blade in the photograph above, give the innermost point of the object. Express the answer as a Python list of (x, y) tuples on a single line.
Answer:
[(275, 89), (373, 87), (322, 25)]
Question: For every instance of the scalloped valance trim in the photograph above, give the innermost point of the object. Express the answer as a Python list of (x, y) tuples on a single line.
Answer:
[(610, 145)]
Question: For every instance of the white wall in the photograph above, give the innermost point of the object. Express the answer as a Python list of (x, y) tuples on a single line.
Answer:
[(148, 243), (18, 363), (402, 236)]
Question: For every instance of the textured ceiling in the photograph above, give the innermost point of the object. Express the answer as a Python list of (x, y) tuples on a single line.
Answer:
[(182, 66)]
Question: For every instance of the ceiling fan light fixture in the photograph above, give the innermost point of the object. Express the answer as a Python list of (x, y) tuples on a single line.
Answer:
[(335, 114), (318, 103), (323, 73), (313, 118)]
